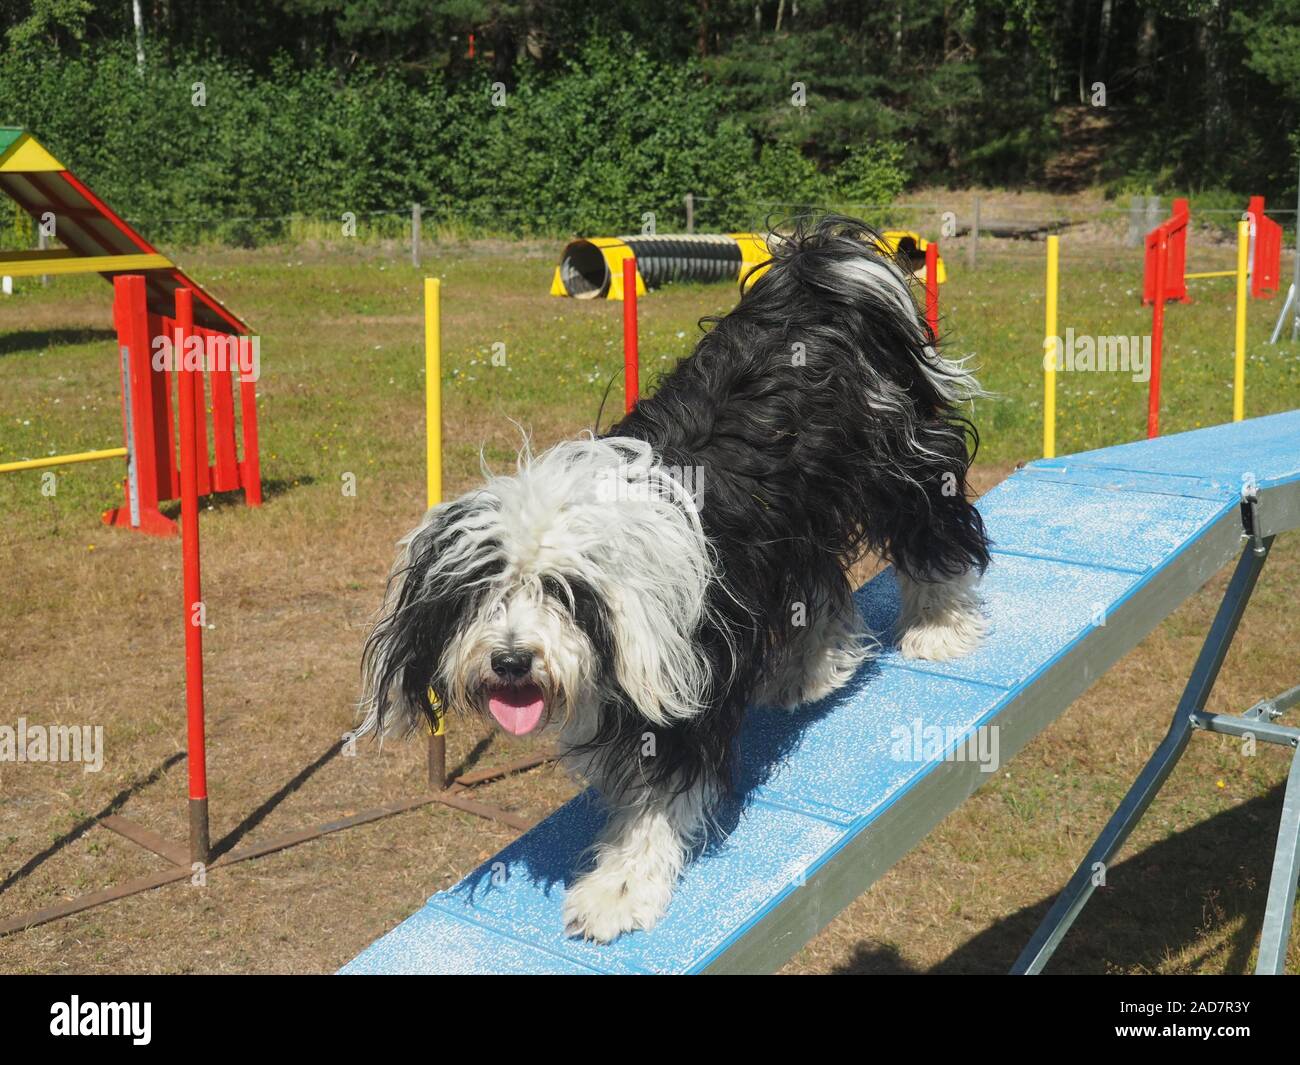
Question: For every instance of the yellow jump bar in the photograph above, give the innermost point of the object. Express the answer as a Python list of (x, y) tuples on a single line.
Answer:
[(1212, 273), (83, 264), (61, 460)]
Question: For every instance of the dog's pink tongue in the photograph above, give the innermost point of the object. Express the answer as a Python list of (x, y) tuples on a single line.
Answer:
[(517, 710)]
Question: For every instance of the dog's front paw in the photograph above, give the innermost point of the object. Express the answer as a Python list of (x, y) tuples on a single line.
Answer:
[(605, 903)]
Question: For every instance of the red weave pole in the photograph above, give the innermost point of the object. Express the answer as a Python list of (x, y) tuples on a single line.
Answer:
[(1157, 337), (932, 289), (631, 361), (192, 588)]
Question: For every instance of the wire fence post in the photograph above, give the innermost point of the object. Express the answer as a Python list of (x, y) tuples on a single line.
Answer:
[(689, 200), (1134, 236), (415, 234), (972, 245), (1153, 212)]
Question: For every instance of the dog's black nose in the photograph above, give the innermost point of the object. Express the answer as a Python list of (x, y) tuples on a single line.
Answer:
[(512, 665)]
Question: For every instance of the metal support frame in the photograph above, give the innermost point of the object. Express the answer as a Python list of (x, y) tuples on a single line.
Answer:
[(1287, 305), (1279, 911), (1258, 721)]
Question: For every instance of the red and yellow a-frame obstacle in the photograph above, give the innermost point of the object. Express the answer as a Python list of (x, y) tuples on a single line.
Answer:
[(96, 241)]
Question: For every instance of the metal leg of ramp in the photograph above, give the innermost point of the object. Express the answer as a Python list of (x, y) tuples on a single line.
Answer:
[(1258, 721), (1286, 858)]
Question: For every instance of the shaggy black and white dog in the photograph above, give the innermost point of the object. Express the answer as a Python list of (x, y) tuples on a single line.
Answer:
[(633, 593)]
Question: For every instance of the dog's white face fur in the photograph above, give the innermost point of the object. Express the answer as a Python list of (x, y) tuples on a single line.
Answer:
[(593, 519)]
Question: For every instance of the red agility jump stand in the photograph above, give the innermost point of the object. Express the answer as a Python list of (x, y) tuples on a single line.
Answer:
[(1265, 254), (150, 404), (1165, 278), (1265, 251), (1171, 235)]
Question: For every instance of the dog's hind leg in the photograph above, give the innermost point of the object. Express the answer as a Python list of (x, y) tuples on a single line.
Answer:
[(639, 857), (940, 619), (936, 539), (819, 657)]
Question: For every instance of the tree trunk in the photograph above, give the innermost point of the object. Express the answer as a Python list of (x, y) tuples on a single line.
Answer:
[(504, 52), (137, 16), (1146, 42), (1083, 54), (1217, 114), (1103, 39)]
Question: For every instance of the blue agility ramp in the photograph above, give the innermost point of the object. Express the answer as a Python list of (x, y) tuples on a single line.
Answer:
[(1091, 551)]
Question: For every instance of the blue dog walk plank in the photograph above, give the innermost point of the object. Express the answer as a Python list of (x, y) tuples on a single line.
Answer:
[(428, 942), (520, 893), (1206, 460), (1072, 538), (856, 727), (1077, 524)]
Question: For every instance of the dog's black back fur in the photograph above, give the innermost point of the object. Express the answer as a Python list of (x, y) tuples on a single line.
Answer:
[(824, 430)]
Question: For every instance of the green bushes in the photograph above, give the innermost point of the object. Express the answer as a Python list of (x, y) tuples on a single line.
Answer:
[(597, 146)]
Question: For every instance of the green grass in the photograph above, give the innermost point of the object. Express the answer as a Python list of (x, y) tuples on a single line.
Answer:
[(343, 368)]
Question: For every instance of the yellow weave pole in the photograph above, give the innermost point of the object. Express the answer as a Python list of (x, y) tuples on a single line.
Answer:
[(1050, 353), (1239, 372), (62, 460), (437, 760), (433, 388)]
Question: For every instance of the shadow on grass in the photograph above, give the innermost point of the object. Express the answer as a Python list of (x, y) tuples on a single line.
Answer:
[(113, 806), (473, 758), (223, 846), (1157, 904), (26, 341), (227, 843), (223, 500)]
